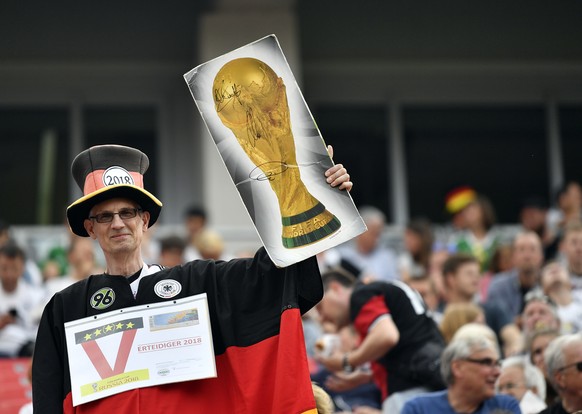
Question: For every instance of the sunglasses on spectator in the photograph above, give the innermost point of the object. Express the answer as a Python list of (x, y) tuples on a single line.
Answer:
[(578, 366), (486, 362), (124, 214), (538, 296)]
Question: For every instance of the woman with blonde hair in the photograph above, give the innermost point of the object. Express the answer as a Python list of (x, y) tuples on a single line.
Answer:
[(458, 314)]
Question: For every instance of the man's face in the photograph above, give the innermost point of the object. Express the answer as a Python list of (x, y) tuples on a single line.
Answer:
[(527, 252), (171, 257), (11, 269), (572, 198), (538, 314), (195, 224), (118, 236), (81, 252), (512, 382), (334, 307), (554, 276), (570, 378), (479, 379), (572, 247), (473, 214), (368, 240), (465, 281)]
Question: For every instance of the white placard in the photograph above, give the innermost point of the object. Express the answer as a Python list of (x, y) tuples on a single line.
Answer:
[(273, 151), (140, 346)]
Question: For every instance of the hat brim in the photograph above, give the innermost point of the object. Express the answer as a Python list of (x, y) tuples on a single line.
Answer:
[(80, 209)]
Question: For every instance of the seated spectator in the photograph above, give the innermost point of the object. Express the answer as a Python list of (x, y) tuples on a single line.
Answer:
[(525, 382), (211, 245), (171, 251), (556, 285), (18, 300), (195, 222), (81, 263), (470, 367), (31, 274), (398, 338), (457, 315), (537, 343), (509, 288), (539, 312), (477, 236), (418, 239), (461, 280), (500, 262), (533, 217), (564, 365), (427, 288), (568, 207), (347, 390), (366, 253)]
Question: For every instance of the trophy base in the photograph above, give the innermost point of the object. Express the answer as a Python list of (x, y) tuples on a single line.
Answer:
[(308, 227)]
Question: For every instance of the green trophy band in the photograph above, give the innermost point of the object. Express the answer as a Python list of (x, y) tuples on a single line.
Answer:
[(251, 100)]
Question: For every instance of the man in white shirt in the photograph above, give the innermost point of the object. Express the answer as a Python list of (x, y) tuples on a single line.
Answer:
[(17, 302)]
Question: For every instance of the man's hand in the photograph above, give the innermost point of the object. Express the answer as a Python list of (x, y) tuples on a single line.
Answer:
[(332, 363), (338, 175)]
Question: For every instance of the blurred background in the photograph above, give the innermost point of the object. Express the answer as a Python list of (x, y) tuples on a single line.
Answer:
[(417, 97)]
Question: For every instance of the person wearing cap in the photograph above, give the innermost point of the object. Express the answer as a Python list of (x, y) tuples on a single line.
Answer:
[(473, 216), (254, 307)]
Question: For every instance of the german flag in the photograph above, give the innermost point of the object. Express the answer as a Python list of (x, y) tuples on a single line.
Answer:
[(255, 313)]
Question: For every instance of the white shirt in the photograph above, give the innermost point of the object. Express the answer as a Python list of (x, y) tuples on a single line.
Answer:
[(24, 300)]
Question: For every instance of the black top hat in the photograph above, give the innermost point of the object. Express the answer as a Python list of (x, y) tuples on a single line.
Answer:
[(110, 171)]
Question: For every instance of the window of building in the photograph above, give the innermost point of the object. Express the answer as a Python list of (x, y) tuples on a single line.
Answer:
[(359, 138), (34, 166), (571, 132), (500, 151)]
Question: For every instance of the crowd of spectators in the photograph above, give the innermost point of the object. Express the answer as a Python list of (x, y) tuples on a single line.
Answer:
[(469, 322), (508, 309)]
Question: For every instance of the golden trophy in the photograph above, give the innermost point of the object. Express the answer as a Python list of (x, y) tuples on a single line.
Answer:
[(251, 100)]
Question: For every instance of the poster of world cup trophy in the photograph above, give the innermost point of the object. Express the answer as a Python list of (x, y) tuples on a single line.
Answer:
[(273, 150)]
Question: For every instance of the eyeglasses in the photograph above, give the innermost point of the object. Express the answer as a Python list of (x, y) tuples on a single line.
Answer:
[(486, 362), (124, 214), (578, 366)]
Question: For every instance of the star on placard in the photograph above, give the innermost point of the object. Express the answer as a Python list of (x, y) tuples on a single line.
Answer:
[(97, 332), (129, 325), (108, 328), (87, 337), (119, 326)]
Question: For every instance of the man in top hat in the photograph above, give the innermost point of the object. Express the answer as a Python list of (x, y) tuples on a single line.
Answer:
[(254, 307)]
